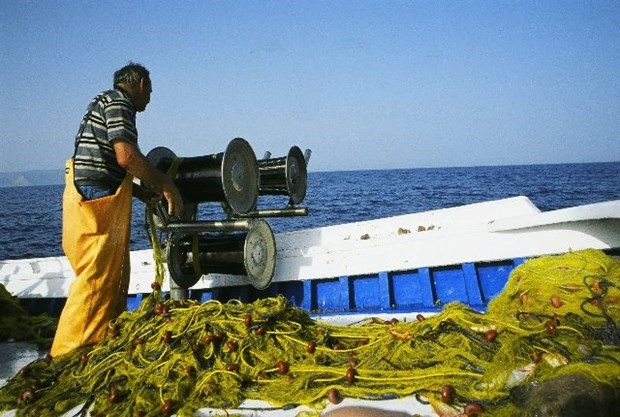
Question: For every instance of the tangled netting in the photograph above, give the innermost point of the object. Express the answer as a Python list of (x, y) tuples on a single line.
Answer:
[(557, 315), (17, 325)]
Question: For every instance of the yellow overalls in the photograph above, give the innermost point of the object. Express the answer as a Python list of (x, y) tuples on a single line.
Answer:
[(95, 238)]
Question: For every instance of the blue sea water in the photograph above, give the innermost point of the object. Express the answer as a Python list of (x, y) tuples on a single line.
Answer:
[(30, 217)]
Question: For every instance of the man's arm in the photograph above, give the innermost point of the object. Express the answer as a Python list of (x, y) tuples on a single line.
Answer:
[(131, 159)]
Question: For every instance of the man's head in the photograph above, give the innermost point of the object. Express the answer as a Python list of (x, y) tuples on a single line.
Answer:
[(136, 81)]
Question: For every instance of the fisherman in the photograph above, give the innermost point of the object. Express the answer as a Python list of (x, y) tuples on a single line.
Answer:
[(97, 201)]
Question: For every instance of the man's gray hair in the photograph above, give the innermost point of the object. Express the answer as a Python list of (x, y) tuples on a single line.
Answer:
[(130, 74)]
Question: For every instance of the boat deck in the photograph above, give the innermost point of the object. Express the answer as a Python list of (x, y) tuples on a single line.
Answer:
[(14, 356)]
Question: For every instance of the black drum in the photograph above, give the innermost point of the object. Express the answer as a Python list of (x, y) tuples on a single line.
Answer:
[(252, 254), (231, 177), (287, 175)]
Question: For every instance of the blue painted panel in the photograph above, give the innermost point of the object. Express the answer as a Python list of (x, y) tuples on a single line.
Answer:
[(472, 285), (294, 291), (412, 289), (428, 292), (385, 295), (366, 292), (50, 306), (133, 301), (493, 278), (244, 293), (274, 289), (449, 284), (307, 303), (253, 294), (332, 294), (225, 294), (206, 296), (406, 291)]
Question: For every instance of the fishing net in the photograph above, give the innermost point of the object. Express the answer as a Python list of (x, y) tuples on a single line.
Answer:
[(557, 315), (17, 325)]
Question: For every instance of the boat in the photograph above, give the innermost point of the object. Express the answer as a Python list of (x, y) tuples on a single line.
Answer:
[(414, 262), (398, 266)]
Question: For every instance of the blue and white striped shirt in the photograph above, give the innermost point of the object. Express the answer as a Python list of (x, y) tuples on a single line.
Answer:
[(109, 117)]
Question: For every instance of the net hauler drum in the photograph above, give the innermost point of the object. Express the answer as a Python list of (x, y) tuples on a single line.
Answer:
[(231, 176), (287, 175), (252, 254)]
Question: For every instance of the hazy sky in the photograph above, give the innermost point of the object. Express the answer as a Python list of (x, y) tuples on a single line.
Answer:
[(364, 84)]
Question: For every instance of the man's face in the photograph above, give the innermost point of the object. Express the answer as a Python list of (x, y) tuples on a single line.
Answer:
[(143, 95)]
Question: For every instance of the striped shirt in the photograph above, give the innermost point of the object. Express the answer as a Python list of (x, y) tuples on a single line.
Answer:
[(110, 116)]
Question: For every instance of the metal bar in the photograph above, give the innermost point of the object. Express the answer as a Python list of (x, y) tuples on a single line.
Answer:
[(286, 212), (161, 213), (209, 226)]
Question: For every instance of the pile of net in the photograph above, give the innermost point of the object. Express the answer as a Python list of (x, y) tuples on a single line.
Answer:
[(557, 315), (16, 325)]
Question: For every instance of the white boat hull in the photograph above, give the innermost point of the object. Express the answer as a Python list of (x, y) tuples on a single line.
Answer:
[(378, 251), (485, 232)]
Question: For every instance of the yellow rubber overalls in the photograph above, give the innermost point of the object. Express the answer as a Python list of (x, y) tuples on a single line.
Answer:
[(95, 238)]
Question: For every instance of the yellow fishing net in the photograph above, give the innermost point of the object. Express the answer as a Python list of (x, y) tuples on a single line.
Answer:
[(557, 315), (18, 326)]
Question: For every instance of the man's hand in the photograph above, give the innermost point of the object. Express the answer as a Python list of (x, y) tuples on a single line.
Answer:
[(174, 199), (148, 195)]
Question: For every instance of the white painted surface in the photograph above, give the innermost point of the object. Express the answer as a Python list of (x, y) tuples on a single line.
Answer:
[(604, 210), (490, 231)]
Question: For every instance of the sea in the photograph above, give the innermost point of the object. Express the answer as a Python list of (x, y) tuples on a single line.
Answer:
[(30, 217)]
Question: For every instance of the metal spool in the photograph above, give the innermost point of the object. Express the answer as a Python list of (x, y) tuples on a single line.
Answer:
[(231, 176), (287, 175), (252, 254)]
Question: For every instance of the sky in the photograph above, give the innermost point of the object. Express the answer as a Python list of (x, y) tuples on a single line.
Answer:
[(363, 84)]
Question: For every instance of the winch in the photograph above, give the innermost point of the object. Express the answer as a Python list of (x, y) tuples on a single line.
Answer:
[(242, 241)]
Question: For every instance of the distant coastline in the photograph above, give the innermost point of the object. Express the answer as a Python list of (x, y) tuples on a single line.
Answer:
[(32, 178)]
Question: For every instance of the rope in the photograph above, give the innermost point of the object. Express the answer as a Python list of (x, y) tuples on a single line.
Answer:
[(178, 356)]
